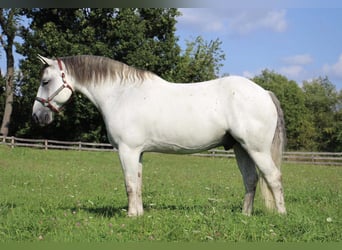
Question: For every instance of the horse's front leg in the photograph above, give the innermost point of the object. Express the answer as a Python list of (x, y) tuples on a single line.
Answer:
[(132, 169)]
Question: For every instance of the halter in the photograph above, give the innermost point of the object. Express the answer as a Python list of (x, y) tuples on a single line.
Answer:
[(47, 102)]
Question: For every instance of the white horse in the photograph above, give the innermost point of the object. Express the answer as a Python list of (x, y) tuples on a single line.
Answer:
[(145, 113)]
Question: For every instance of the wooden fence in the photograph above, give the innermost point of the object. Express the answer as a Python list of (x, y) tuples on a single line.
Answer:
[(315, 158), (53, 144)]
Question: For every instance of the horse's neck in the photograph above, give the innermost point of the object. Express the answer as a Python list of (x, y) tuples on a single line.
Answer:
[(98, 94), (104, 94), (107, 93)]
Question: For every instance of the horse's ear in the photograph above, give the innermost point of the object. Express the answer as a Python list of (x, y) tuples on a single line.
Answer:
[(45, 60)]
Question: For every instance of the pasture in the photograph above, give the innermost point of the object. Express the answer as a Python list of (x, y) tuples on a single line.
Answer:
[(71, 196)]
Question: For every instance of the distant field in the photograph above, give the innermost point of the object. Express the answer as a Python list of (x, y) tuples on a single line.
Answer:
[(71, 196)]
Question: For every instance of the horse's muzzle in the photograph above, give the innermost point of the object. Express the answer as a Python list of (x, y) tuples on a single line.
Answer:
[(42, 117), (35, 118)]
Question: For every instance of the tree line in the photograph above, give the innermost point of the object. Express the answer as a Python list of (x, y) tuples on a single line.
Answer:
[(143, 38)]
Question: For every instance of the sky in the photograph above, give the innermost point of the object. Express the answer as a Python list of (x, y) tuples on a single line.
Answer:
[(300, 43)]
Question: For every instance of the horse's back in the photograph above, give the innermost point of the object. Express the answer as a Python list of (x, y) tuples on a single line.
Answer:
[(192, 117)]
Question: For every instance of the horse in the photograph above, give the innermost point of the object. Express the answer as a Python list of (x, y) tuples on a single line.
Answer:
[(144, 113)]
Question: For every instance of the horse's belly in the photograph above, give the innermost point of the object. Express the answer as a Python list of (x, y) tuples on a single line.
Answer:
[(174, 148), (186, 140)]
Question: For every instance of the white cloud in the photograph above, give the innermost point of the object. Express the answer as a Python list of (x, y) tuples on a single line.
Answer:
[(295, 66), (292, 71), (334, 69), (301, 59), (233, 21), (248, 74), (215, 26), (252, 20), (203, 19)]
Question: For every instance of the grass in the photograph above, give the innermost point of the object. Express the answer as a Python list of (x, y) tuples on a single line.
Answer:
[(70, 196)]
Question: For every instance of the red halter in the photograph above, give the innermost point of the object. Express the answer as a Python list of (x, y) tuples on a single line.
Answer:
[(47, 102)]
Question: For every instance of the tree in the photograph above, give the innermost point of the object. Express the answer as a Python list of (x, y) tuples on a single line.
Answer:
[(8, 25), (201, 61), (40, 36), (298, 120), (145, 38), (338, 124), (324, 102), (2, 93)]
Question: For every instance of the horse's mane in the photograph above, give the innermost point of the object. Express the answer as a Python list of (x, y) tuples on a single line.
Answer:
[(88, 69)]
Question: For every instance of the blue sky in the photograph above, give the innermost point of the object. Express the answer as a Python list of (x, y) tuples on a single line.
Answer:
[(300, 43)]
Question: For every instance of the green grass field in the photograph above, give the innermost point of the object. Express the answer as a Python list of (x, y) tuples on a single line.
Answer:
[(70, 196)]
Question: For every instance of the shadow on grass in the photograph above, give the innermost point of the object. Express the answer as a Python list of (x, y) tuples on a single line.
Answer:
[(6, 207), (106, 211), (172, 207), (121, 211), (204, 208), (109, 211)]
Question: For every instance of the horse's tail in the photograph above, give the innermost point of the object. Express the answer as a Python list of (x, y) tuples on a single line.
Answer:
[(278, 145)]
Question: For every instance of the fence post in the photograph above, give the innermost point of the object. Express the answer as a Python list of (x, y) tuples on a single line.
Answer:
[(12, 142), (46, 144), (79, 146)]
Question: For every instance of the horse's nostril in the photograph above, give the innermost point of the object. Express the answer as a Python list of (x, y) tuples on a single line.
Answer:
[(35, 118), (47, 118)]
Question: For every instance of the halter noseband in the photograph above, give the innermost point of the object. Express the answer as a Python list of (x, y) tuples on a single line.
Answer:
[(47, 102)]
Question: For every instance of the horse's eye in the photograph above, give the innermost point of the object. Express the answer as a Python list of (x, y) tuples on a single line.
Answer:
[(45, 82)]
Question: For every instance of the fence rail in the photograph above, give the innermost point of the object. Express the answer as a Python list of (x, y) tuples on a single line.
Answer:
[(53, 144), (315, 158)]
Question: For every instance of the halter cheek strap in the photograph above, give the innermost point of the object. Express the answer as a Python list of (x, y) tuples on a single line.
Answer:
[(47, 102), (61, 69)]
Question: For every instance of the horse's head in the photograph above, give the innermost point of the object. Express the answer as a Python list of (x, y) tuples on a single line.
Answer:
[(54, 91)]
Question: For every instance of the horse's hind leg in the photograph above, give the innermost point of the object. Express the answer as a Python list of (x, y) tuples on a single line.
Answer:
[(272, 175), (250, 177)]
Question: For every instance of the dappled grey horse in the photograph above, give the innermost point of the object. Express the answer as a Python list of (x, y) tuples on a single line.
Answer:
[(144, 113)]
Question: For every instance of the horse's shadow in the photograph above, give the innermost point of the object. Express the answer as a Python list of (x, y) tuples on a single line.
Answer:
[(106, 211), (110, 211), (6, 207)]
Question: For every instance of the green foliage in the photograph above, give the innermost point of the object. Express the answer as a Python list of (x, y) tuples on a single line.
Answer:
[(2, 94), (298, 120), (145, 38), (312, 113), (186, 198), (201, 61), (324, 102), (8, 31)]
